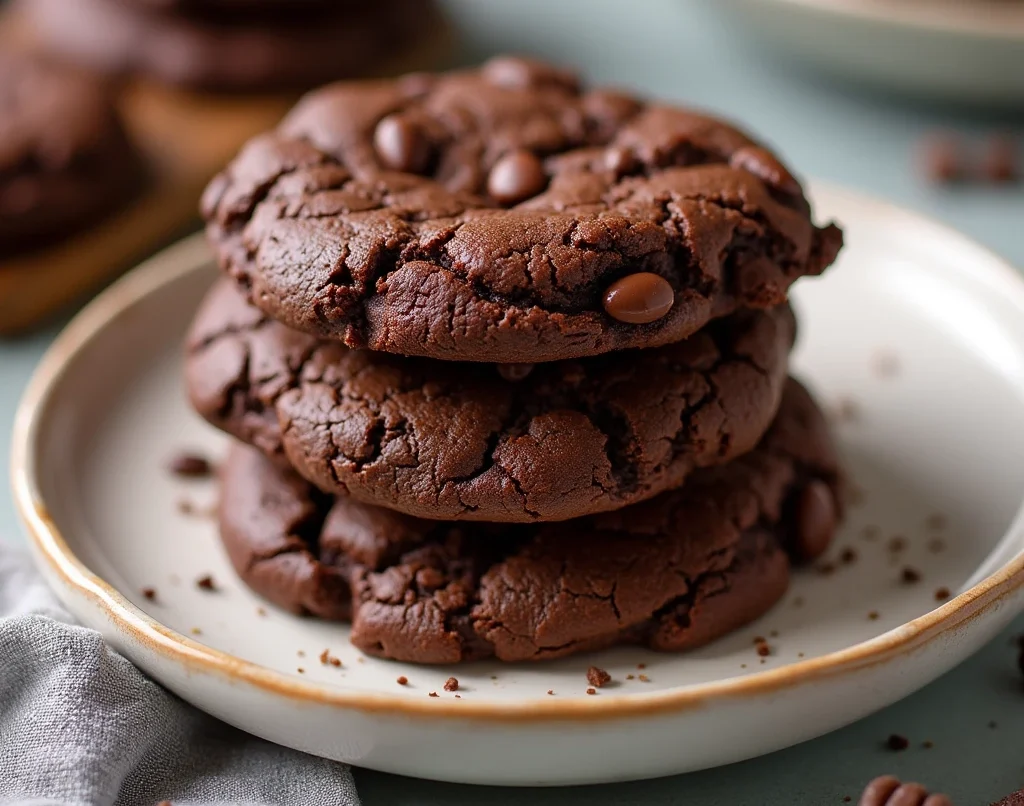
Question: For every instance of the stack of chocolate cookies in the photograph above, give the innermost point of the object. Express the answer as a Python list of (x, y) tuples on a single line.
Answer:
[(509, 362)]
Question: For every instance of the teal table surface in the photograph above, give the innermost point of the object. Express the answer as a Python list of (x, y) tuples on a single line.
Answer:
[(974, 716)]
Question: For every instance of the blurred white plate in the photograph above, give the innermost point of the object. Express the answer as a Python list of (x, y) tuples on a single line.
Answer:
[(967, 50), (916, 335)]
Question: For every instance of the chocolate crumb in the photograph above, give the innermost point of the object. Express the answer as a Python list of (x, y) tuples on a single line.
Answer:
[(848, 556), (799, 654), (301, 653), (763, 661), (591, 691), (927, 744), (629, 677), (196, 631), (641, 666), (764, 650), (433, 694), (300, 670), (335, 661), (598, 677), (324, 656), (743, 666), (402, 680), (644, 678), (190, 465), (261, 611), (206, 583), (451, 684), (910, 575), (458, 696), (149, 593), (873, 615), (941, 594), (897, 742), (551, 692)]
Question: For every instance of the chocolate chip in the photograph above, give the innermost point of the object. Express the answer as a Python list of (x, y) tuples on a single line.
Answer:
[(639, 298), (401, 145), (816, 519), (402, 680), (516, 177), (619, 161), (598, 677), (591, 691), (897, 742), (515, 72), (514, 372), (1000, 162), (190, 465), (451, 684)]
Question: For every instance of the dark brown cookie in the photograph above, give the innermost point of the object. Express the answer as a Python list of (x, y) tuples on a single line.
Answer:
[(671, 573), (65, 160), (233, 51), (504, 215), (479, 442)]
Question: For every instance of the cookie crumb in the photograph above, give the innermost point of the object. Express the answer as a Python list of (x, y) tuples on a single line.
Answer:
[(897, 544), (551, 692), (629, 677), (301, 653), (402, 680), (644, 678), (763, 649), (598, 677), (300, 670), (261, 611), (927, 744), (896, 742), (641, 666), (190, 465), (196, 631), (451, 684), (433, 694), (149, 593), (326, 658), (458, 696), (591, 691), (873, 615), (910, 576), (941, 594), (206, 583), (848, 556)]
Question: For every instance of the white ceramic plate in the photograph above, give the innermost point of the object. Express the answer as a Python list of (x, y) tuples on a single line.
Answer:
[(967, 50), (916, 336)]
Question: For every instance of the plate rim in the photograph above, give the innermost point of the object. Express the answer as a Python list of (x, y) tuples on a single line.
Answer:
[(1005, 24), (187, 256)]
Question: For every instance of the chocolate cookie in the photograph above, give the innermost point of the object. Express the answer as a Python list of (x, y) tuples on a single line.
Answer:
[(65, 160), (237, 51), (483, 442), (505, 215), (671, 573)]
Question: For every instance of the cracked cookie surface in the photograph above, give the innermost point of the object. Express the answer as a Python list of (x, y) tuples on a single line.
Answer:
[(671, 573), (502, 443), (65, 159), (486, 215)]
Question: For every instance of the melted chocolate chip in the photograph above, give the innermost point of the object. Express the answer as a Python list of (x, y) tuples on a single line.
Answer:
[(401, 145), (516, 177), (816, 519), (639, 298)]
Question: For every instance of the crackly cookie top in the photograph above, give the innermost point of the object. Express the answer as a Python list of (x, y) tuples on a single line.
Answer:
[(488, 442), (672, 573), (506, 214), (64, 156)]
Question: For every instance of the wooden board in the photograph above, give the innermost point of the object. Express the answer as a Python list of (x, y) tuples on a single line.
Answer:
[(187, 138)]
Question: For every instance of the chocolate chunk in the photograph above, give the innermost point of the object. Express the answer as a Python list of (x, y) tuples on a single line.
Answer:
[(639, 299), (401, 145), (516, 177)]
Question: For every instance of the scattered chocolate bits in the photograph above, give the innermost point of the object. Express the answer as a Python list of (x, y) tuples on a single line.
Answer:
[(327, 659), (190, 465), (591, 691), (762, 647), (458, 696), (639, 299), (897, 742), (433, 694), (942, 594), (451, 684), (206, 583), (644, 678), (300, 670), (402, 680), (401, 145), (149, 593), (873, 615), (598, 677), (516, 177), (551, 692), (848, 556), (301, 653), (629, 676), (910, 576)]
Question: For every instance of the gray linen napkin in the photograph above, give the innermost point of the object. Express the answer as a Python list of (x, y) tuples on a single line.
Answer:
[(81, 726)]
